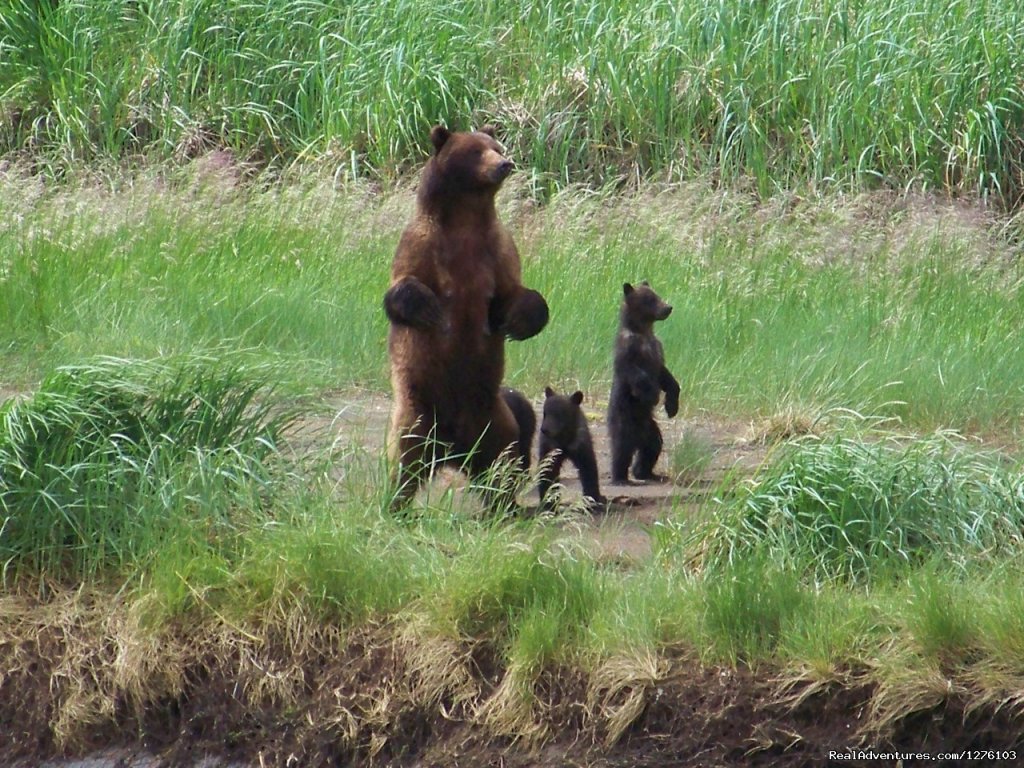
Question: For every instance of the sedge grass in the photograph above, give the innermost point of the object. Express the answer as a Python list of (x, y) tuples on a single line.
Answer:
[(891, 92), (109, 460), (850, 508)]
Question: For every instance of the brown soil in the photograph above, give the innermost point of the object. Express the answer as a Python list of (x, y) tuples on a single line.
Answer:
[(360, 702), (622, 530), (360, 708)]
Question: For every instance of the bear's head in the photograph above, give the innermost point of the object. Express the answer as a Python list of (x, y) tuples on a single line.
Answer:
[(464, 164), (562, 414), (642, 307)]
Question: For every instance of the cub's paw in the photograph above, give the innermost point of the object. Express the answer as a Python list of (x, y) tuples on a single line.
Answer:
[(671, 404)]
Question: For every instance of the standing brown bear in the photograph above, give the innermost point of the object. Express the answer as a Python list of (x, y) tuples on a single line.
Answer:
[(456, 294), (638, 379)]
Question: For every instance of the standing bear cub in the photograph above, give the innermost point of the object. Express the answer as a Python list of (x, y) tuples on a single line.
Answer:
[(564, 433), (638, 379), (456, 294)]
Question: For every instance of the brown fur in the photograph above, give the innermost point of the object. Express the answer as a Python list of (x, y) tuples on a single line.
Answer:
[(638, 379), (456, 293), (564, 434)]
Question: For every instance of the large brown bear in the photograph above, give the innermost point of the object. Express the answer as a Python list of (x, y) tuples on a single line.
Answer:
[(456, 294)]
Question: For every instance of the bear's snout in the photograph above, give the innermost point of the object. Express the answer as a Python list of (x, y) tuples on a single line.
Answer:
[(503, 169), (666, 310)]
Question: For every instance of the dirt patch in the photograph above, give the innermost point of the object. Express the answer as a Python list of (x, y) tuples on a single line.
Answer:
[(622, 530)]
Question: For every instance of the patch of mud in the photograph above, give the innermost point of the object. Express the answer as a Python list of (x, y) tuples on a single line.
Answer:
[(360, 708)]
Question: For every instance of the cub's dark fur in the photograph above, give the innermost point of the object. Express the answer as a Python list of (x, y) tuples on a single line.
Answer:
[(564, 433), (639, 378), (527, 421)]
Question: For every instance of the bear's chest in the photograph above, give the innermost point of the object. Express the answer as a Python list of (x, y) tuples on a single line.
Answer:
[(641, 349), (466, 278)]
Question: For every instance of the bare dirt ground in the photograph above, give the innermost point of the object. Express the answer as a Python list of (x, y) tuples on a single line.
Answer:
[(622, 530), (692, 716)]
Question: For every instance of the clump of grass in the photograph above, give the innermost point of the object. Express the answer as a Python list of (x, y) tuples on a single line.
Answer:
[(942, 615), (849, 508), (690, 456), (747, 609), (107, 458)]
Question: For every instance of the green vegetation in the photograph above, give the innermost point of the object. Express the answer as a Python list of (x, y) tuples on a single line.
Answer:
[(168, 485), (846, 508), (108, 463), (912, 316), (170, 499), (894, 92)]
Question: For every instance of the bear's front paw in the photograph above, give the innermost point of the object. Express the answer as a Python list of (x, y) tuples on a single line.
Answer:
[(526, 317), (410, 302), (671, 403)]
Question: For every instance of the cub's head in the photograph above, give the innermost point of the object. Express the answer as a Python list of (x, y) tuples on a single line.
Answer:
[(562, 415), (465, 163), (642, 307)]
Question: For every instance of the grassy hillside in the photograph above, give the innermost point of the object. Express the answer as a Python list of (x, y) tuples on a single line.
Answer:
[(795, 92)]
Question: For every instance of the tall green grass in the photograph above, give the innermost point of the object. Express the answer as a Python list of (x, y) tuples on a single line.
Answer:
[(110, 461), (892, 308), (846, 508), (894, 92)]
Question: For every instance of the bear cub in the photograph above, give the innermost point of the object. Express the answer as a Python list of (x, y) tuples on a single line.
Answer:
[(564, 433), (638, 379), (525, 417)]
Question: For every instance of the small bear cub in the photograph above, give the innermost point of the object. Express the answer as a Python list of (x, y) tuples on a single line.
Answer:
[(638, 379), (564, 433), (527, 421)]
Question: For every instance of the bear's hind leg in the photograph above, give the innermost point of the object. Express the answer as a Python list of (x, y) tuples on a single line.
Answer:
[(648, 451), (500, 441), (412, 451), (623, 446)]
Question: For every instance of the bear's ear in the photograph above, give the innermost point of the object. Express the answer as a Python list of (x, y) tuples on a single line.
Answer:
[(645, 284), (576, 397), (488, 129), (549, 392), (439, 135), (626, 289)]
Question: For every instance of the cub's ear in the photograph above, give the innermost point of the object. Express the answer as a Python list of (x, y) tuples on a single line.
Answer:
[(626, 289), (549, 392), (488, 129), (439, 135), (576, 397), (645, 284)]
